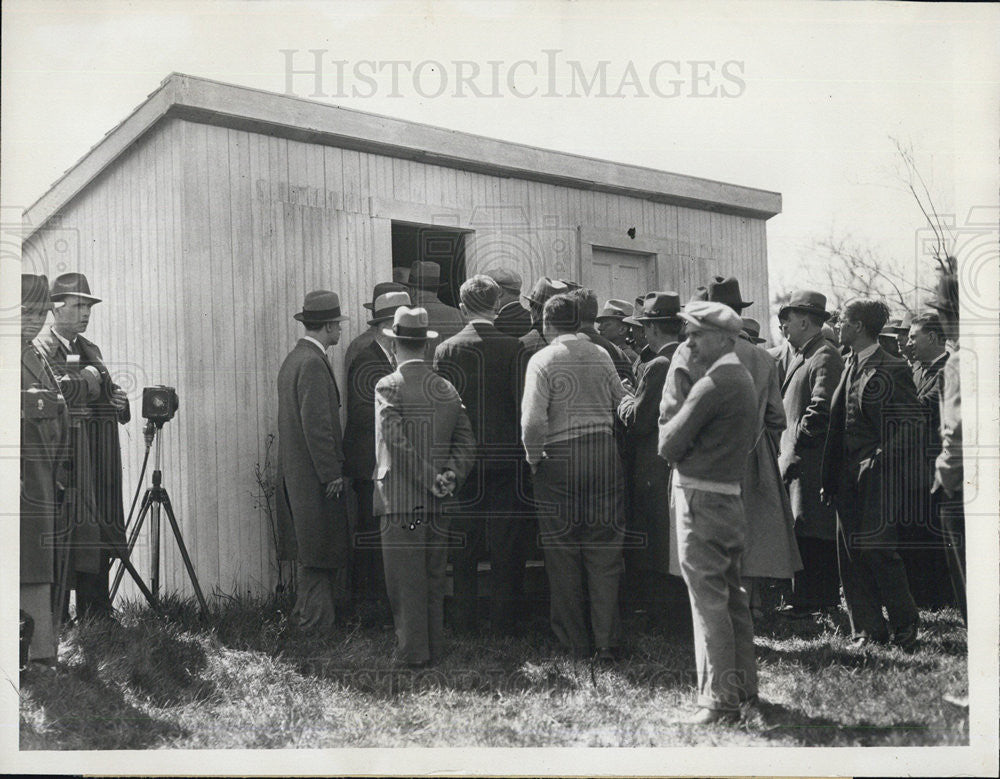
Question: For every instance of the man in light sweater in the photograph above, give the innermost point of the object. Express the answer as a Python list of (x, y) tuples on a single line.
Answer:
[(708, 441), (570, 396)]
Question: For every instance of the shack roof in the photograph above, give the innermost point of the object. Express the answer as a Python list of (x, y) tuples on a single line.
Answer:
[(213, 102)]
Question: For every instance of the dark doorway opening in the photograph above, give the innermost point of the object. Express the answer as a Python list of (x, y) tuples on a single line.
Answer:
[(442, 245)]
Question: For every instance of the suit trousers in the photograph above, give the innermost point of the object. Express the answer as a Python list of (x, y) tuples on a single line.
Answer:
[(871, 570), (711, 534), (416, 564), (36, 600), (92, 594), (368, 575), (487, 516), (952, 514), (817, 585), (579, 496)]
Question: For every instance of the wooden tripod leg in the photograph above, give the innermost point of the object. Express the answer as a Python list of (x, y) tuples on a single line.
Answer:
[(184, 552)]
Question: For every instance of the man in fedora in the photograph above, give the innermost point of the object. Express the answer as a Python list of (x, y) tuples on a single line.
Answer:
[(544, 288), (771, 551), (424, 283), (424, 449), (611, 324), (707, 441), (481, 362), (809, 384), (371, 364), (948, 475), (97, 406), (361, 342), (647, 567), (44, 433), (588, 309), (867, 462), (751, 330), (512, 319), (312, 506)]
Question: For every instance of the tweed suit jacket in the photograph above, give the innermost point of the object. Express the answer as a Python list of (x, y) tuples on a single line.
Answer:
[(421, 430)]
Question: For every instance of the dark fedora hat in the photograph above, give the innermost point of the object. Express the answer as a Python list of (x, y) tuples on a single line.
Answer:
[(658, 307), (320, 306), (752, 328), (386, 305), (424, 275), (806, 300), (545, 288), (946, 295), (727, 291), (35, 292), (380, 289), (72, 284), (410, 324)]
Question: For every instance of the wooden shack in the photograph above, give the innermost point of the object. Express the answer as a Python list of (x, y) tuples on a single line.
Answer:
[(204, 217)]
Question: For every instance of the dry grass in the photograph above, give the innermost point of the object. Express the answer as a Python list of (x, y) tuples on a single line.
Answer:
[(244, 680)]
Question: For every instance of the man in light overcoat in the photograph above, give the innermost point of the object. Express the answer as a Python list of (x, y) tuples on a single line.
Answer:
[(312, 509), (810, 380)]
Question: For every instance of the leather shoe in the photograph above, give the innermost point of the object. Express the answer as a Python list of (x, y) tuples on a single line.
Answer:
[(906, 637), (704, 716), (605, 656)]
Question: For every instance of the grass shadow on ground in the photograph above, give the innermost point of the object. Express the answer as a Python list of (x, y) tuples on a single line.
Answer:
[(94, 699)]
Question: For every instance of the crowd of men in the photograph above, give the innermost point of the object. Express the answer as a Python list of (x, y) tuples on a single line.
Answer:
[(658, 456)]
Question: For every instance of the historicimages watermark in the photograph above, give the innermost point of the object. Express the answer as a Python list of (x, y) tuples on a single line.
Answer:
[(319, 73)]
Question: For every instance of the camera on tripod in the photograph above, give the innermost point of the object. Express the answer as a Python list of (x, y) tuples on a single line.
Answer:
[(159, 404)]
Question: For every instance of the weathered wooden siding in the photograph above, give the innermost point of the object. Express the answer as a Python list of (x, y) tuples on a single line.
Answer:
[(203, 240)]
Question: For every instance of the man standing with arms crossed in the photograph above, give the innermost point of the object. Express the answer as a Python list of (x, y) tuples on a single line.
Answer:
[(707, 441), (97, 406)]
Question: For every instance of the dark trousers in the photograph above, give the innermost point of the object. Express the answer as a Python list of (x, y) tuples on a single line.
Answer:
[(871, 570), (92, 595), (368, 574), (817, 585), (579, 495), (487, 522), (952, 514)]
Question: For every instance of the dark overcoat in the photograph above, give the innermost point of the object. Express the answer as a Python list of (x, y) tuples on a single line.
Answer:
[(44, 439), (810, 381), (312, 528), (871, 486), (482, 364), (650, 473), (366, 370), (513, 320), (99, 516)]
